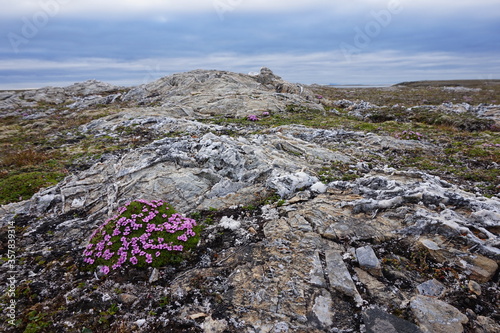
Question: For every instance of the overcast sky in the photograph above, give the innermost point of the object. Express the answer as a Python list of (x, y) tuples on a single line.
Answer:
[(130, 42)]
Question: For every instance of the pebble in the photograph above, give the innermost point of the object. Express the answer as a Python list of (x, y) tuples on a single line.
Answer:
[(474, 287), (155, 276), (368, 260), (127, 298)]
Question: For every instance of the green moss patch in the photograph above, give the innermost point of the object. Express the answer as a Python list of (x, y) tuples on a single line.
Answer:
[(22, 186)]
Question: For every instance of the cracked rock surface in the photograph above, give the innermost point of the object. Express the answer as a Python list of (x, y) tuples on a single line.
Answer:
[(389, 251)]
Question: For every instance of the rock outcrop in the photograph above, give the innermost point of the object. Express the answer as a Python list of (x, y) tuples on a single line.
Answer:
[(198, 93), (388, 251), (211, 93), (84, 94)]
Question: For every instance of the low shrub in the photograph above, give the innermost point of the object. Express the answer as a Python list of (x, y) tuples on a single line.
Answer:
[(23, 158)]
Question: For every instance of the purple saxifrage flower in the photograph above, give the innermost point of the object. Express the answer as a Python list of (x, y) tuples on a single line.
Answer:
[(139, 235)]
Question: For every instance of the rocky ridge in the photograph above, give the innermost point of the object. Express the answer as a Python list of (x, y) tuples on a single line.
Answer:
[(388, 250), (194, 94)]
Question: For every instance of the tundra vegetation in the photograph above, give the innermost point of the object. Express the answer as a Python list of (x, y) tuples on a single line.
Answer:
[(343, 231)]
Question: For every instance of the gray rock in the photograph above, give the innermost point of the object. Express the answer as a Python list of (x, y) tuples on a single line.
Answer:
[(437, 316), (212, 171), (368, 260), (91, 87), (94, 100), (155, 275), (317, 275), (383, 293), (339, 277), (288, 184), (6, 94), (478, 267), (194, 94), (211, 325), (343, 103), (488, 111), (379, 321), (431, 288), (486, 325), (323, 309), (455, 108), (82, 95), (266, 76), (222, 93), (360, 109), (482, 269)]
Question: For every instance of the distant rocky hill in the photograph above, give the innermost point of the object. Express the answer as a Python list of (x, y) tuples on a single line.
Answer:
[(196, 93), (305, 231)]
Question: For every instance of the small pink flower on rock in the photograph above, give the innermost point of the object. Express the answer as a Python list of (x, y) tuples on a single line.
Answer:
[(143, 233)]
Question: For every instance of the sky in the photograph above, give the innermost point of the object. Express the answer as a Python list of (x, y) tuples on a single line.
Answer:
[(132, 42)]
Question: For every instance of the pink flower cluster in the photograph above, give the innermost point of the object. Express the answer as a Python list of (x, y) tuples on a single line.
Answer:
[(409, 135), (138, 236)]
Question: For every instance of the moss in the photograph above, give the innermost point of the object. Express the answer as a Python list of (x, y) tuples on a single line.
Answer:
[(249, 208), (366, 127), (273, 198), (37, 322), (164, 301), (9, 120), (32, 156), (337, 171), (479, 152), (22, 186)]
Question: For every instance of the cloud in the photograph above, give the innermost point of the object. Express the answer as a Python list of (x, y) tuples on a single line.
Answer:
[(135, 8), (164, 8), (381, 67), (129, 41)]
